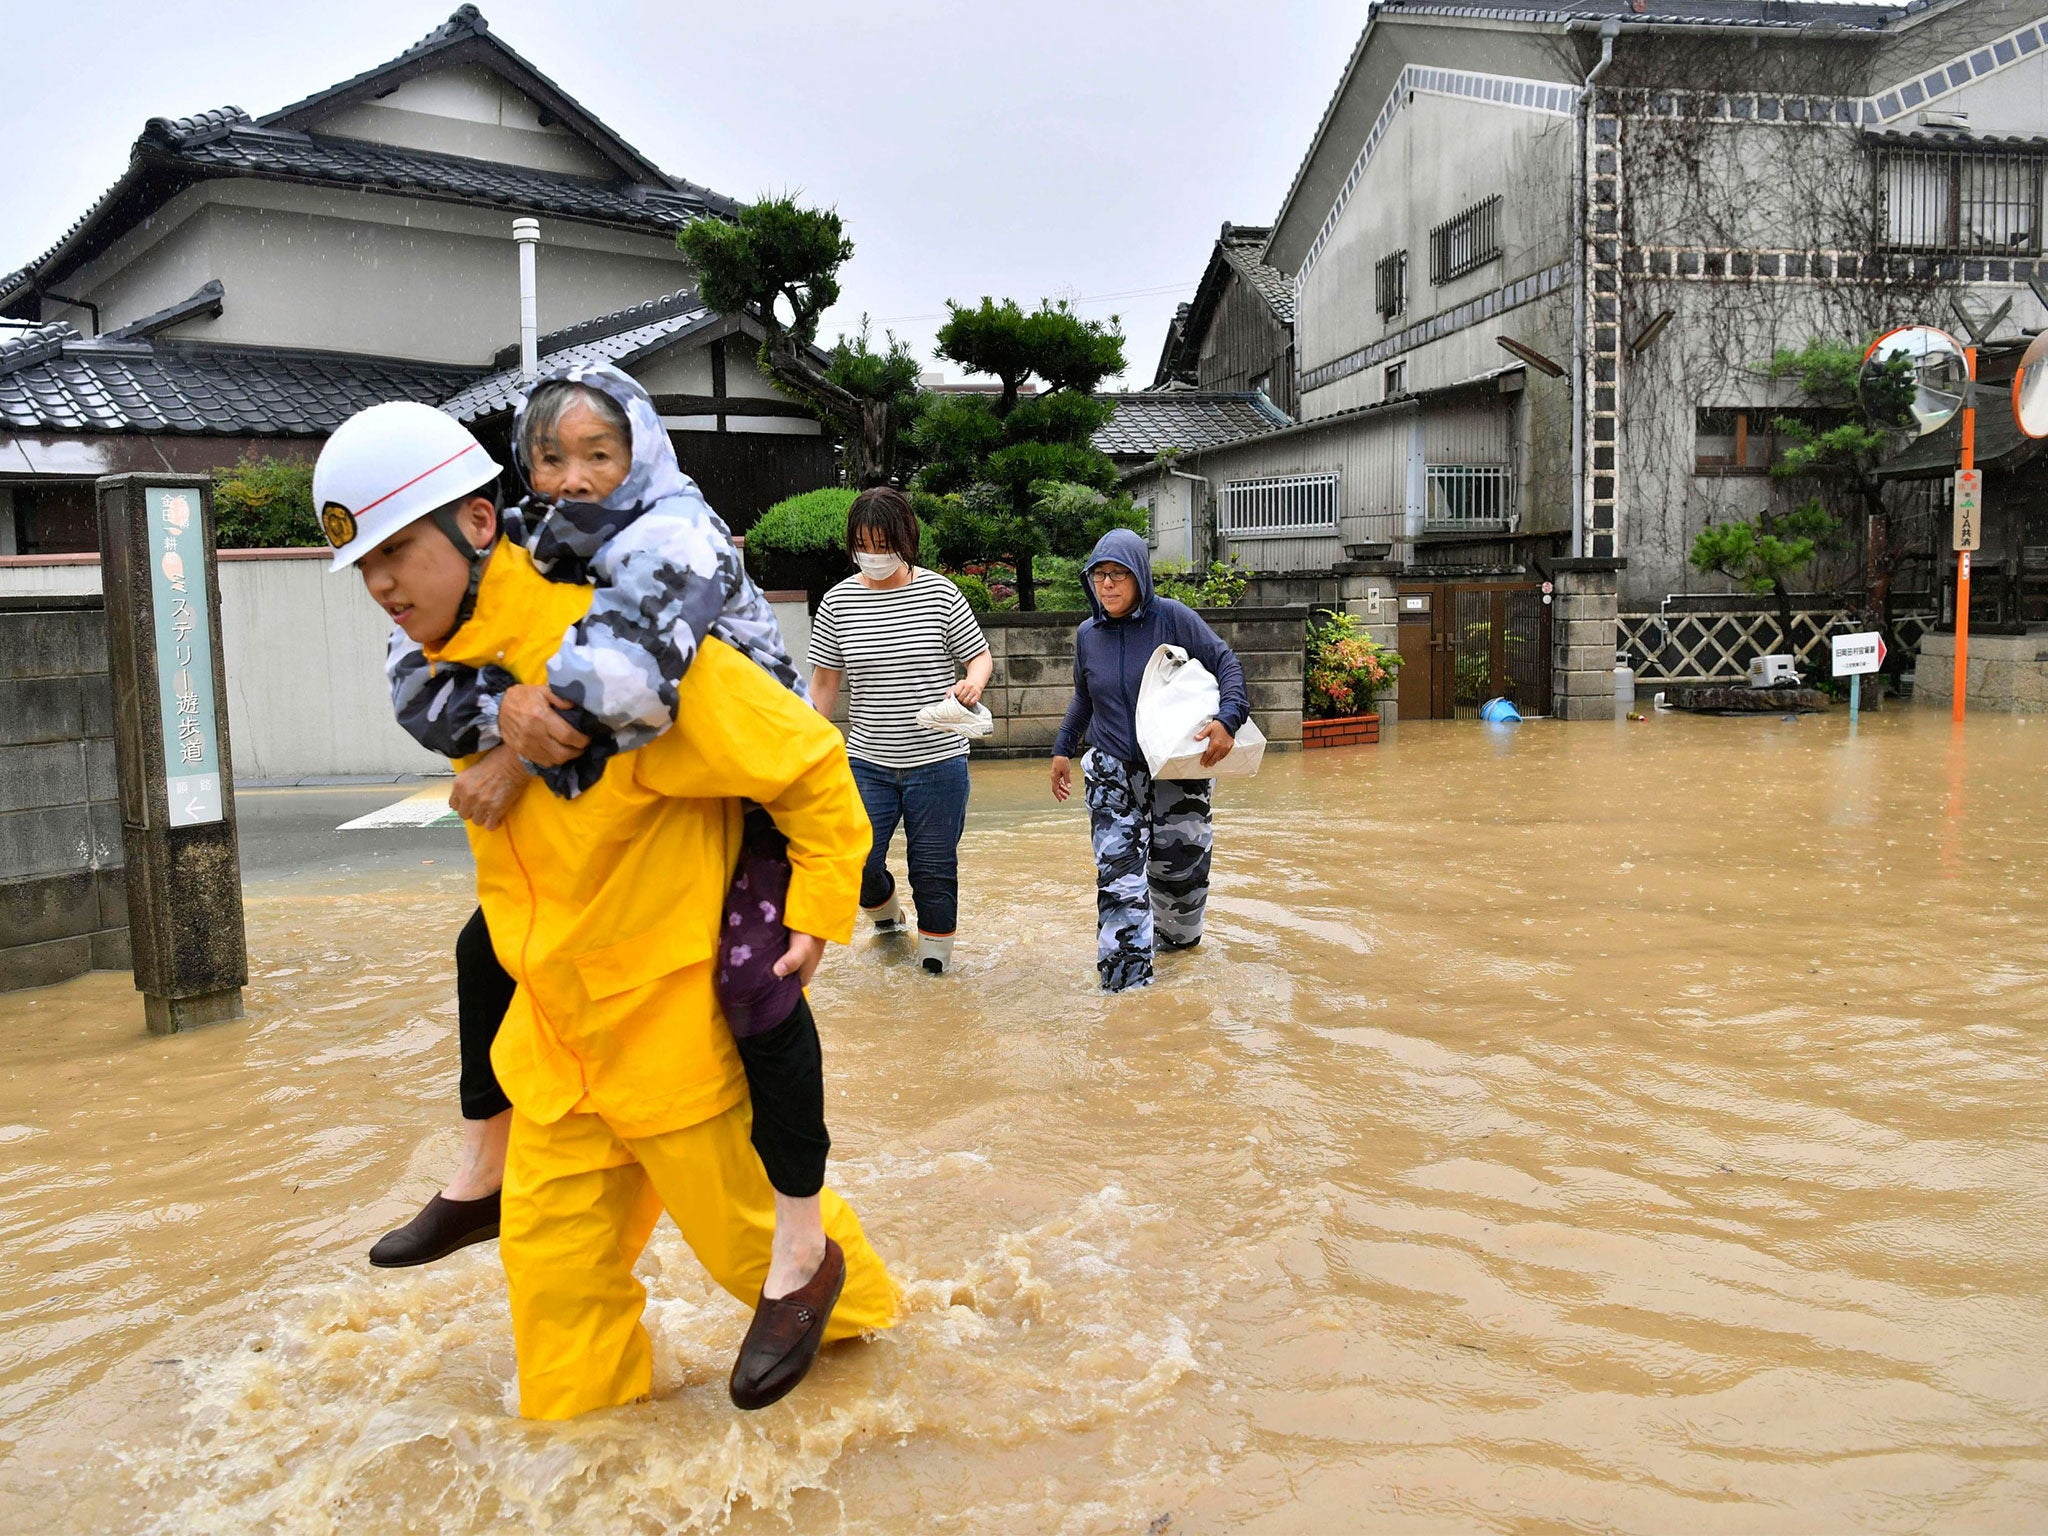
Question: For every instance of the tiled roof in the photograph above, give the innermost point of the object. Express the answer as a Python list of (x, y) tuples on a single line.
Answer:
[(1789, 15), (1240, 248), (620, 338), (175, 153), (242, 148), (1244, 247), (1152, 421), (52, 380), (646, 312), (144, 386)]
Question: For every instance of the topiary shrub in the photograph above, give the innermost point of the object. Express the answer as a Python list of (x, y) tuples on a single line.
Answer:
[(801, 542), (974, 589), (264, 504)]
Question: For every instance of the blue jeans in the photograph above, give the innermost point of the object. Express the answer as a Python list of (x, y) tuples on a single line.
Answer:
[(931, 802)]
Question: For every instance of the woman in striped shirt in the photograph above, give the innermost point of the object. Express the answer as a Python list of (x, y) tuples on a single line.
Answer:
[(897, 637)]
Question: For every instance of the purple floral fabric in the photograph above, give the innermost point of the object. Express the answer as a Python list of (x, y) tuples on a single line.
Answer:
[(752, 938)]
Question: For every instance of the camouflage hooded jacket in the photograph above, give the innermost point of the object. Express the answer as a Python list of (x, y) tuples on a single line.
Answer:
[(666, 574)]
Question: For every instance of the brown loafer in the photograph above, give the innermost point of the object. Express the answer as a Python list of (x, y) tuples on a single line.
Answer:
[(784, 1337), (441, 1227)]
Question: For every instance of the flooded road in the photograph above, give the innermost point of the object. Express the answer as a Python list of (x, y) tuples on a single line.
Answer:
[(1638, 1128)]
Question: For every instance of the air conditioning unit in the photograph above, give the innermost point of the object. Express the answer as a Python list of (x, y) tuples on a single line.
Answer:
[(1774, 672)]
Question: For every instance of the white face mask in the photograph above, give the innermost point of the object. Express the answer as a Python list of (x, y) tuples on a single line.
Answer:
[(878, 567)]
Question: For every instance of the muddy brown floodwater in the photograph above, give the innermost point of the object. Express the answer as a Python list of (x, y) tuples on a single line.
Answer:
[(1637, 1128)]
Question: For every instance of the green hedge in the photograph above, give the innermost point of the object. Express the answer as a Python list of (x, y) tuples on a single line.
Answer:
[(801, 542)]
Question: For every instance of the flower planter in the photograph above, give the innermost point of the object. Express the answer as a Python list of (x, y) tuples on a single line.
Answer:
[(1343, 731)]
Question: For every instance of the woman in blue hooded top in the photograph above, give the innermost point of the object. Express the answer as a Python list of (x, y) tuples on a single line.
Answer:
[(1152, 837)]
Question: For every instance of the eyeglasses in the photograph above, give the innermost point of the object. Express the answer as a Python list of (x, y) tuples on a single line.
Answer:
[(1110, 578)]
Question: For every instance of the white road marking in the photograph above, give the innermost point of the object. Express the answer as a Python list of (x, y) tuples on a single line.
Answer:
[(427, 808)]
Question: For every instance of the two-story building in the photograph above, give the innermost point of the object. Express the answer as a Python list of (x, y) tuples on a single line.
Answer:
[(1541, 260), (249, 282)]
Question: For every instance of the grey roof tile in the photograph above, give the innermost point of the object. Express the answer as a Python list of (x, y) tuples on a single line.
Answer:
[(244, 149), (82, 386), (629, 337), (1787, 15), (1151, 421), (1244, 247)]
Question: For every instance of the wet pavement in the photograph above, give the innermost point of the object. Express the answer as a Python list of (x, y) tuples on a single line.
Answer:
[(1637, 1127)]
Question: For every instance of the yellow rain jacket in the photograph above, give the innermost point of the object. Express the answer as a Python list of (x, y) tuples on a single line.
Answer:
[(627, 1093), (605, 909)]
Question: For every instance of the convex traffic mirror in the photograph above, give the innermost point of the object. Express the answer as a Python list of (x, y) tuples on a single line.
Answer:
[(1913, 379), (2030, 388)]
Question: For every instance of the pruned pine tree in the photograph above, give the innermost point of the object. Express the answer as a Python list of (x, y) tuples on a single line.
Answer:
[(1018, 472), (780, 263)]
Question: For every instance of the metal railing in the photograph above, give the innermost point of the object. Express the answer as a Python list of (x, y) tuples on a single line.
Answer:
[(1470, 498), (1390, 285), (1280, 504), (1469, 241), (1961, 202)]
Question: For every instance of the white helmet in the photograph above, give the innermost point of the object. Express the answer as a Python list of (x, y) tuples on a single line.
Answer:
[(391, 465)]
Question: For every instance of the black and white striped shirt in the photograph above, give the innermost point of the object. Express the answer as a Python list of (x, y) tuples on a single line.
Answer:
[(901, 648)]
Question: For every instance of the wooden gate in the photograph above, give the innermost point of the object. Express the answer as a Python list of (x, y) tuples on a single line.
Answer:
[(1463, 643)]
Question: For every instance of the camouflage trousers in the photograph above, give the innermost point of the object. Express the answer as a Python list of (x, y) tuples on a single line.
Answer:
[(1152, 841)]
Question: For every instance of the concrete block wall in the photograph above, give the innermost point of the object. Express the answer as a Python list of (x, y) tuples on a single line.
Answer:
[(1034, 674), (63, 902), (1583, 615)]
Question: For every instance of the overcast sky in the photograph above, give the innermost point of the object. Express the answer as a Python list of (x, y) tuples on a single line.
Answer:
[(1054, 149)]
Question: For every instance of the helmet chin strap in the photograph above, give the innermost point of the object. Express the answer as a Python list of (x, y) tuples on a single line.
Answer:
[(443, 518)]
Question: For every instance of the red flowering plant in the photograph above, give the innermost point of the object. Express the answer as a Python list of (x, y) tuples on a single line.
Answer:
[(1346, 669)]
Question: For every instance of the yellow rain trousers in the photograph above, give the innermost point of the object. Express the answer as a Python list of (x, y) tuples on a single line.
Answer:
[(627, 1093)]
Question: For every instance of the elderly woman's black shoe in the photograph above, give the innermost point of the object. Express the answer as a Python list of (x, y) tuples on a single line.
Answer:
[(442, 1226)]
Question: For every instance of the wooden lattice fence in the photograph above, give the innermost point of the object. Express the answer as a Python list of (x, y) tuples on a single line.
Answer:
[(1717, 646)]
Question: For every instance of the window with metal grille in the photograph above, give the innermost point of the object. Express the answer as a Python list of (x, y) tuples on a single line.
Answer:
[(1390, 284), (1280, 504), (1958, 201), (1460, 245), (1469, 497)]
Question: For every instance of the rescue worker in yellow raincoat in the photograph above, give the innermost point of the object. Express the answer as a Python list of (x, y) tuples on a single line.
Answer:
[(627, 1091)]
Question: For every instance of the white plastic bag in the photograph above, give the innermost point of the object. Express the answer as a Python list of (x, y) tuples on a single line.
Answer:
[(1177, 697), (949, 714)]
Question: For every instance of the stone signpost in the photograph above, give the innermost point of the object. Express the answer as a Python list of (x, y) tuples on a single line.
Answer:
[(170, 735)]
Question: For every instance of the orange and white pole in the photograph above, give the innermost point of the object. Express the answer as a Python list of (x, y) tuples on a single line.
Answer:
[(1969, 462)]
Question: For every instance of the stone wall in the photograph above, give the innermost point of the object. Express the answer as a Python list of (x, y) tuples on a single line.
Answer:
[(63, 903), (2008, 673), (1034, 674)]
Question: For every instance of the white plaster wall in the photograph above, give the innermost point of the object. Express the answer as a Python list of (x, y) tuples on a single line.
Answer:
[(794, 620), (389, 276), (305, 667), (686, 370), (1440, 156), (2013, 101), (467, 110)]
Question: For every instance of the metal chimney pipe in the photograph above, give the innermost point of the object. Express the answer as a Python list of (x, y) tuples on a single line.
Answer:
[(526, 232)]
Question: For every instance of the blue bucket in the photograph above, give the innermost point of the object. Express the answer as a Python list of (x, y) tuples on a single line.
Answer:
[(1500, 712)]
